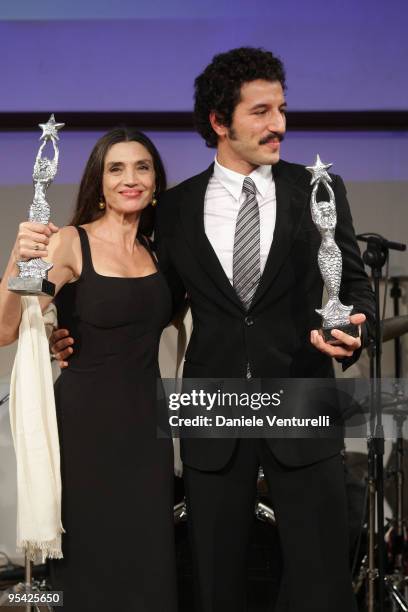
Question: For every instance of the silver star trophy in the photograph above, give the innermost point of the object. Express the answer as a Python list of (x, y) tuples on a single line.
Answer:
[(33, 274), (335, 314)]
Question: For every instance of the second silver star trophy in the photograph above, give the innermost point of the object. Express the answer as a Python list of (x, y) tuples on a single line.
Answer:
[(335, 315), (33, 274)]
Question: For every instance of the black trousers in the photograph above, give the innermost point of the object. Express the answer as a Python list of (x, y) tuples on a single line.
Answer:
[(310, 508)]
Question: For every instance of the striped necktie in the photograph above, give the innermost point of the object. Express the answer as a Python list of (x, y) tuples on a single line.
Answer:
[(246, 267)]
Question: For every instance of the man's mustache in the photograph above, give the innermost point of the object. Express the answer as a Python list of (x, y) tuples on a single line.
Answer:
[(272, 136)]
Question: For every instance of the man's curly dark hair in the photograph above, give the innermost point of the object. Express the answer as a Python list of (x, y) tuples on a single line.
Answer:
[(218, 88)]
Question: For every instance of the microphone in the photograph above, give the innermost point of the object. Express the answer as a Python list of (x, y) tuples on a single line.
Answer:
[(381, 241)]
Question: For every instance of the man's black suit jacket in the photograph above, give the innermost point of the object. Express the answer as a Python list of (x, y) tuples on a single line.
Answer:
[(273, 336)]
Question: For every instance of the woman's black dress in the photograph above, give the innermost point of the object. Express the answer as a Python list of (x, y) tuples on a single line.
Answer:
[(117, 476)]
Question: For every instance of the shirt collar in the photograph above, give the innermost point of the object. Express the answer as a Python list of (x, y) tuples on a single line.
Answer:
[(233, 181)]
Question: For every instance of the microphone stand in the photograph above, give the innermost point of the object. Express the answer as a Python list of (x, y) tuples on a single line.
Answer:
[(4, 399), (396, 295), (27, 585), (375, 257)]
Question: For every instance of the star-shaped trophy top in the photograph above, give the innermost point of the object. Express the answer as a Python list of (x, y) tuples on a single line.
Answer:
[(50, 129), (319, 171)]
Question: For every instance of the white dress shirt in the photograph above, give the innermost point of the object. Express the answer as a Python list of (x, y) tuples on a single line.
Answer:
[(222, 201)]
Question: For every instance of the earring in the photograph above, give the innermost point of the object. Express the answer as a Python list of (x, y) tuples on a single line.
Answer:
[(101, 205), (154, 200)]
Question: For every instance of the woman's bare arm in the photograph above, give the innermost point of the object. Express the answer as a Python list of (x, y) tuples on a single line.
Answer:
[(61, 247)]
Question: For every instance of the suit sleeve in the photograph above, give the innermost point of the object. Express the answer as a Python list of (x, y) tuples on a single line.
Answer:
[(355, 286), (162, 241)]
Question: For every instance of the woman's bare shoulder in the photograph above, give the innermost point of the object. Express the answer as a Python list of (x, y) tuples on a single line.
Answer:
[(65, 248), (66, 237), (69, 232)]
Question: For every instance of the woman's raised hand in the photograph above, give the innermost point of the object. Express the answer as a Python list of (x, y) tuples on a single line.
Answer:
[(32, 240)]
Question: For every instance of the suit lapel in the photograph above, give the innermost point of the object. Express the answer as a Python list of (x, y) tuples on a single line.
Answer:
[(192, 219), (291, 204)]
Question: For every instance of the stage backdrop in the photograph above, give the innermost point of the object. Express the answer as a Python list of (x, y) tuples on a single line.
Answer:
[(126, 55)]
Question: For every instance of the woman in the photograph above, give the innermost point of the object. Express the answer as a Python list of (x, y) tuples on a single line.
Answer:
[(116, 475)]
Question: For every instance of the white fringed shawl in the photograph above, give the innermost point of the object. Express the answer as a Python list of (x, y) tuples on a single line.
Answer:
[(35, 435)]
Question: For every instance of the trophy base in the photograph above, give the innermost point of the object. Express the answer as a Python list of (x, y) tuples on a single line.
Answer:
[(31, 286), (349, 328)]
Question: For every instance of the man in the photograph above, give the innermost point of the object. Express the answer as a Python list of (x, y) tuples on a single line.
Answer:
[(239, 240), (256, 321)]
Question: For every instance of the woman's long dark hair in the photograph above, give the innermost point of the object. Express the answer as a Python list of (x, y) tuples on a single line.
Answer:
[(90, 190)]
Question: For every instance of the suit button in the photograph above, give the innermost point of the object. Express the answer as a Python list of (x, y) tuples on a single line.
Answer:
[(249, 321)]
